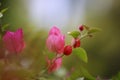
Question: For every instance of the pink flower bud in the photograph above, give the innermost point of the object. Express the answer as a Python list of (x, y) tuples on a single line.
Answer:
[(81, 28), (54, 31), (55, 41), (13, 41), (54, 64), (67, 50), (76, 42)]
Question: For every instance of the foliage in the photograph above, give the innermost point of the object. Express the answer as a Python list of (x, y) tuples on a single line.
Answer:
[(81, 53), (117, 77)]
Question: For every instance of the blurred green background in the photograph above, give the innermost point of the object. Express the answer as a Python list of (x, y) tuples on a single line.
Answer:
[(36, 17)]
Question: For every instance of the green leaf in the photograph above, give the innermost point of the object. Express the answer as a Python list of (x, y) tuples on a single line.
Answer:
[(87, 75), (1, 15), (4, 10), (81, 53), (81, 71), (74, 34), (116, 77), (94, 30), (4, 27)]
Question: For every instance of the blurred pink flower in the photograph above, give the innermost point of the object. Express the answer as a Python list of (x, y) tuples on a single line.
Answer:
[(54, 64), (55, 41), (13, 41)]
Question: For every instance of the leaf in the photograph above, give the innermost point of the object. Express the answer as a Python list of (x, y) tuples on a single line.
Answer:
[(80, 72), (1, 15), (4, 10), (4, 27), (87, 75), (74, 34), (94, 30), (116, 77), (81, 53)]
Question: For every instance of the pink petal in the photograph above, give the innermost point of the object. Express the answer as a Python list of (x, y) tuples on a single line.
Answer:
[(54, 30), (55, 65), (13, 41), (55, 43)]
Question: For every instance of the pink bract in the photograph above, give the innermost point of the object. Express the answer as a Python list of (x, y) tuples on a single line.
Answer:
[(13, 41), (55, 41)]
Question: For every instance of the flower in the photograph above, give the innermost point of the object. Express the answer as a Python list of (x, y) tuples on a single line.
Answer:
[(55, 41), (76, 42), (67, 50), (54, 64), (13, 41)]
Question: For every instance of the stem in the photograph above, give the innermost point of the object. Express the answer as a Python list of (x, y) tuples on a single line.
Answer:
[(54, 60), (58, 57), (43, 73), (84, 36), (0, 26)]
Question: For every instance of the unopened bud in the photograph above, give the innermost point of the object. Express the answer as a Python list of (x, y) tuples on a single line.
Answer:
[(81, 28), (67, 50), (76, 42)]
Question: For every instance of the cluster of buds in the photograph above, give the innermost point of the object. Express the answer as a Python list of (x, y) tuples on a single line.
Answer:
[(56, 43), (75, 41)]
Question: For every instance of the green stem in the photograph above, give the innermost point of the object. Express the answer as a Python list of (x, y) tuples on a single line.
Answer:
[(58, 57), (45, 71), (84, 36)]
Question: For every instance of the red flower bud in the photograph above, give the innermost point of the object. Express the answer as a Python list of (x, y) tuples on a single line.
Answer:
[(67, 50), (81, 28), (76, 43)]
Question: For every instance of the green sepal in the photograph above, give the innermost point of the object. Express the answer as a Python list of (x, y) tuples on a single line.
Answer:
[(94, 30), (74, 34)]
